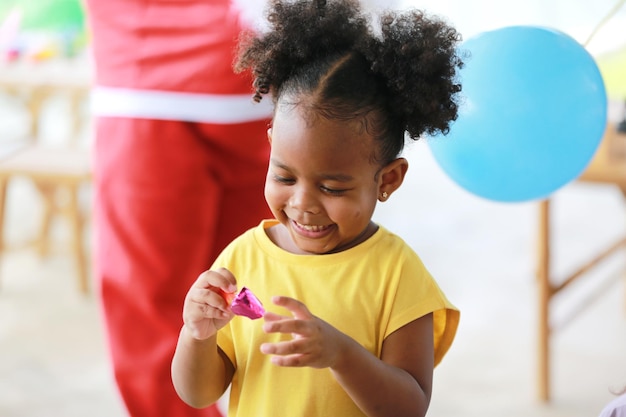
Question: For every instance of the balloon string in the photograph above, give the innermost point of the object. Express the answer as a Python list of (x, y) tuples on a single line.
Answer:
[(608, 17)]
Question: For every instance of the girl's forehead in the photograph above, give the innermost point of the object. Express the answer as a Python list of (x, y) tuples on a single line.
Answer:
[(296, 136), (307, 128)]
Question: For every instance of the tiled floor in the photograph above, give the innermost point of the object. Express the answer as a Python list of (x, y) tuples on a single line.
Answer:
[(53, 361)]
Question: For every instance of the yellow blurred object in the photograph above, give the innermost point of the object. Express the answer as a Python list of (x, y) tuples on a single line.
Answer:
[(45, 53), (613, 68)]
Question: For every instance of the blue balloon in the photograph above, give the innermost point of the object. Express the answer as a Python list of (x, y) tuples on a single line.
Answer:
[(532, 113)]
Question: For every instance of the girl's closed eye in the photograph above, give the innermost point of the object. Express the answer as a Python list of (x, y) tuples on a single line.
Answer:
[(283, 180), (334, 191)]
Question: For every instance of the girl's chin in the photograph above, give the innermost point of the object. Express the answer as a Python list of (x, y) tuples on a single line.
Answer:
[(310, 246)]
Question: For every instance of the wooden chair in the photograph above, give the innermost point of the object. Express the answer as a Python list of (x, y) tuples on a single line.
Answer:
[(58, 174), (607, 166)]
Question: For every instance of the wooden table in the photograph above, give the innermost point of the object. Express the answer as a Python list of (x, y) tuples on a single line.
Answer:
[(34, 82), (609, 167)]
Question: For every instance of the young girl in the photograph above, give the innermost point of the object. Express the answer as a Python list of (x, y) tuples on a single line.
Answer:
[(355, 323)]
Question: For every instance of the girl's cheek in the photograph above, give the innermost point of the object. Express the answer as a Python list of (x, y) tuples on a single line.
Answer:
[(269, 192), (275, 197)]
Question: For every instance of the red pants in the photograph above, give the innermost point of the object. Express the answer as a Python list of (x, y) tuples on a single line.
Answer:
[(169, 196)]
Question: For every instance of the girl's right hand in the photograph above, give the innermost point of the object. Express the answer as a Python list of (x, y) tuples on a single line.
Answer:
[(205, 310)]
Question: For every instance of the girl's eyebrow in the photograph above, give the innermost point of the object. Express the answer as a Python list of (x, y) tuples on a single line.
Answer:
[(338, 177), (330, 177), (279, 164)]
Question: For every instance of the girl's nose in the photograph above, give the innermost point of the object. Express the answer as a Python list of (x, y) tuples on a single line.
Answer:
[(303, 199)]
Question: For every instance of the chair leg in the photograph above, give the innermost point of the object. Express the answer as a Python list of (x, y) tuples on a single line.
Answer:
[(622, 188), (544, 296), (76, 220), (48, 194), (3, 192)]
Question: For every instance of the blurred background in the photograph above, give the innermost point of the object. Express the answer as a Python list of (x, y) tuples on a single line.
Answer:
[(484, 254)]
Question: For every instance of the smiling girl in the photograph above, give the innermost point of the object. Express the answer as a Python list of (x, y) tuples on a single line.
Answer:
[(356, 323)]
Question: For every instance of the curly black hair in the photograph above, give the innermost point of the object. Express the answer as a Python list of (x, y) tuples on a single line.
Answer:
[(401, 79)]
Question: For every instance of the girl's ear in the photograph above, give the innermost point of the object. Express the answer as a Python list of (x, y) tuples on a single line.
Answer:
[(391, 177), (269, 135)]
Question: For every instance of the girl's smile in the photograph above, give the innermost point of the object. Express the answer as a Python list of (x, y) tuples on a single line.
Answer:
[(322, 183), (311, 231)]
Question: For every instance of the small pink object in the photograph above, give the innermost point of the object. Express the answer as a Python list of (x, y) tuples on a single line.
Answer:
[(246, 304)]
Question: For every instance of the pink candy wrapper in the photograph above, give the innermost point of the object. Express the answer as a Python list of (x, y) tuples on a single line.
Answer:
[(246, 304)]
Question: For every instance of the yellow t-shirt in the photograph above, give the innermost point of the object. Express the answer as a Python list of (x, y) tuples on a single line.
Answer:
[(367, 292)]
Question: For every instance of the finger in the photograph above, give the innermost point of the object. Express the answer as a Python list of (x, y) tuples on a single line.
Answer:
[(209, 298), (280, 354), (269, 316), (291, 347), (291, 326), (297, 308), (229, 291), (230, 282), (222, 281), (207, 311), (292, 361), (218, 278), (202, 319)]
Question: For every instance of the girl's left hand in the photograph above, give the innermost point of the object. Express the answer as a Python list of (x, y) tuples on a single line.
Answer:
[(314, 342)]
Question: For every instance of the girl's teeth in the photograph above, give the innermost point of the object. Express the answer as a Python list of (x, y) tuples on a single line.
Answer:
[(311, 228)]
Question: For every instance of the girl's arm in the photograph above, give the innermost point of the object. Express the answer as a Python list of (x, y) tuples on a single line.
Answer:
[(201, 372), (398, 384)]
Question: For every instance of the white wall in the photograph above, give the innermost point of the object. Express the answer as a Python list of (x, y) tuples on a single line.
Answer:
[(577, 18)]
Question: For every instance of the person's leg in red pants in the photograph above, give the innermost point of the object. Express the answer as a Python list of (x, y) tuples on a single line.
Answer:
[(169, 196)]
